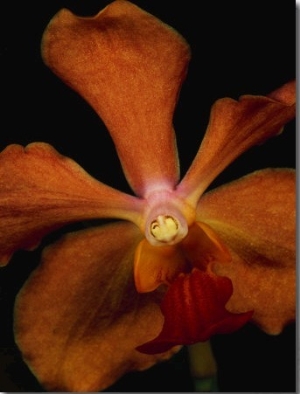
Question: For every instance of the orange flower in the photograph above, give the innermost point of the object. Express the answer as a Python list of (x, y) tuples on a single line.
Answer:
[(180, 265)]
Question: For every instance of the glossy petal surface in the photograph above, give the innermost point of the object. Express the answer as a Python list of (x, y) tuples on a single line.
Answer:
[(255, 217), (129, 66), (79, 317), (194, 310), (41, 190), (234, 127)]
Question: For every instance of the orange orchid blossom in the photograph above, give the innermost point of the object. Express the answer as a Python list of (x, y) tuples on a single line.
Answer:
[(179, 265)]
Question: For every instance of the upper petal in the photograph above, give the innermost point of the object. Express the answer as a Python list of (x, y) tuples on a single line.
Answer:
[(234, 127), (79, 318), (41, 190), (129, 66), (255, 217)]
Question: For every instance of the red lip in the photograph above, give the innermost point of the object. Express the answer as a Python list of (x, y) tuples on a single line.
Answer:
[(194, 310)]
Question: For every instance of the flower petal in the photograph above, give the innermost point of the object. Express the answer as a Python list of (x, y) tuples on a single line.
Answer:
[(202, 246), (155, 265), (78, 318), (41, 190), (194, 310), (234, 127), (129, 66), (255, 217)]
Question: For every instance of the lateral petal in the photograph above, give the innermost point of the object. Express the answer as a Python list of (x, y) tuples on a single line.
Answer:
[(155, 265), (234, 127), (79, 318), (255, 217), (41, 190), (202, 246), (194, 310), (129, 66)]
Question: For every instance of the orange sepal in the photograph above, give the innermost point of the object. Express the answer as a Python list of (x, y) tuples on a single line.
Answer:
[(234, 127), (78, 318), (41, 190), (129, 66)]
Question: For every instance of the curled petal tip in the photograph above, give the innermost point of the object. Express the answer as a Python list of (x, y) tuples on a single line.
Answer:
[(286, 94)]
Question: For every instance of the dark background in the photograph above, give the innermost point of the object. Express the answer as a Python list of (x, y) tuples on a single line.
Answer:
[(238, 48)]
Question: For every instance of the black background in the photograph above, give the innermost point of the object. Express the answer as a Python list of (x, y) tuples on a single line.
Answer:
[(237, 48)]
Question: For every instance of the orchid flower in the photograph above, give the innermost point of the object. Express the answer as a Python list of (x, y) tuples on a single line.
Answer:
[(180, 264)]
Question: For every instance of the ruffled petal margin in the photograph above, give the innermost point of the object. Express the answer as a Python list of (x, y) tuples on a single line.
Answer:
[(129, 66), (234, 127), (78, 319), (255, 217), (41, 190), (194, 310)]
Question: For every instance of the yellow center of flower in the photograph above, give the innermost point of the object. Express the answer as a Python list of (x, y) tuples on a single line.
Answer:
[(166, 218), (164, 228)]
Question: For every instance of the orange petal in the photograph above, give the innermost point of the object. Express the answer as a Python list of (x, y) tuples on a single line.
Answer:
[(79, 318), (255, 217), (155, 265), (129, 66), (41, 190), (234, 127), (202, 246)]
